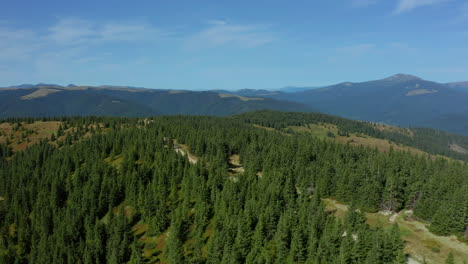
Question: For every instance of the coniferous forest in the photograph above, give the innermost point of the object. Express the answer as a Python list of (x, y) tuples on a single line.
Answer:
[(116, 191)]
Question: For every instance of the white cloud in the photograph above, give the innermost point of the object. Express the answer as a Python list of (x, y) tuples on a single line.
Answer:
[(74, 46), (216, 22), (221, 33), (17, 44), (62, 49), (78, 31), (407, 5), (71, 30), (70, 37)]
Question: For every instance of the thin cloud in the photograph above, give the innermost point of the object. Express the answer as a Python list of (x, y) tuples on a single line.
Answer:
[(70, 40), (78, 31), (216, 22), (220, 33), (71, 30), (17, 44), (408, 5)]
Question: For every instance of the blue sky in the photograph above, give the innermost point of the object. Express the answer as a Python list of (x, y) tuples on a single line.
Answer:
[(231, 44)]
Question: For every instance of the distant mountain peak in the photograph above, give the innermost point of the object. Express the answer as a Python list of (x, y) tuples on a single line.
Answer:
[(400, 77)]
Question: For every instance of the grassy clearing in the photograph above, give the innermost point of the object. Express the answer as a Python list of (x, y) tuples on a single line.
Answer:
[(41, 92), (116, 161), (419, 242), (235, 167), (154, 247), (401, 130), (324, 130), (207, 235), (319, 131), (242, 98), (22, 135)]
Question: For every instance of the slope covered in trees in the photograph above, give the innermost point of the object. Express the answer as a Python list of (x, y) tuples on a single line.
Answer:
[(426, 139), (400, 99), (124, 195), (48, 101)]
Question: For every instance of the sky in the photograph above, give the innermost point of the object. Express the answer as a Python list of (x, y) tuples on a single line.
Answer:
[(202, 45)]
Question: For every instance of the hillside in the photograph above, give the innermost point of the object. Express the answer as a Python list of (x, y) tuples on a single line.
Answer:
[(45, 101), (399, 100), (384, 137), (420, 243), (461, 86), (187, 189), (402, 100)]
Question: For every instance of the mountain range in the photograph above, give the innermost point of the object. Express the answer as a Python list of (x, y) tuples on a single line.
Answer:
[(54, 100), (401, 100)]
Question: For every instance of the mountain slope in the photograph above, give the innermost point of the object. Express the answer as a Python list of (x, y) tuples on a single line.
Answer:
[(403, 100), (353, 132), (460, 86), (117, 101), (14, 103)]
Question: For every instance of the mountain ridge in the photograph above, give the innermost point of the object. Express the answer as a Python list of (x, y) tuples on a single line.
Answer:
[(87, 100), (401, 100)]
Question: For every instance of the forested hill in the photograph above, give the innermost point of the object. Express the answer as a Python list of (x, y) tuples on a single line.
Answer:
[(429, 140), (114, 190), (401, 99), (47, 101)]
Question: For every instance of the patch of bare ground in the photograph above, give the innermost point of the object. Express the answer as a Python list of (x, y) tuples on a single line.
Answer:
[(22, 135), (184, 151), (235, 167), (412, 261), (420, 243), (420, 92), (242, 98), (458, 148), (41, 92)]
